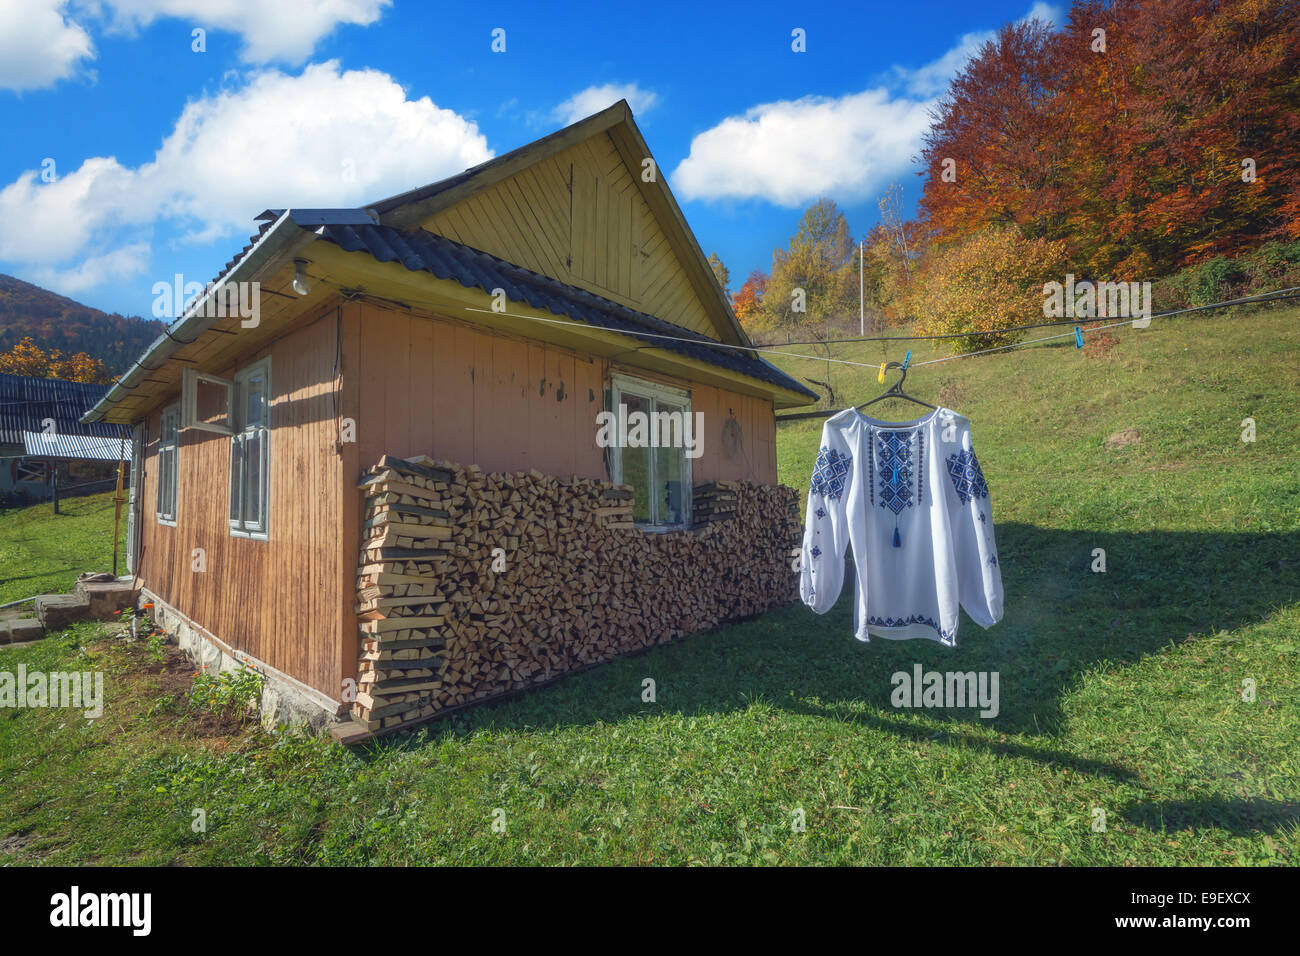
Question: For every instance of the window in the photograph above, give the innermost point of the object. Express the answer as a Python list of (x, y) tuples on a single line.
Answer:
[(249, 459), (207, 402), (651, 453), (168, 443)]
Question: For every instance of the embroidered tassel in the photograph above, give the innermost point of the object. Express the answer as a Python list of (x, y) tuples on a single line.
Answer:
[(898, 542)]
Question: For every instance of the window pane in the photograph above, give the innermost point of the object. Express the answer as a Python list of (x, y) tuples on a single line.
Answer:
[(254, 443), (254, 401), (669, 491), (236, 475), (636, 460)]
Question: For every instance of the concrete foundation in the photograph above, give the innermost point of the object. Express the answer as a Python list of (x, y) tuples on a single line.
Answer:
[(283, 701)]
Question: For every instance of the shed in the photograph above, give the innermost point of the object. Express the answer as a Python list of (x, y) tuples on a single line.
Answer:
[(44, 444), (460, 442)]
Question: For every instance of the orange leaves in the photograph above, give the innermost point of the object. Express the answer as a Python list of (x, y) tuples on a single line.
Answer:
[(28, 358), (985, 281), (1176, 144)]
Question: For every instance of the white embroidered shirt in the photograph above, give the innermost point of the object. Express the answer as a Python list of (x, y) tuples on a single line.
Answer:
[(911, 499)]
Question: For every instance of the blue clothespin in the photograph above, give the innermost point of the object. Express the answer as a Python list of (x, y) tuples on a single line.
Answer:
[(907, 360), (1078, 337)]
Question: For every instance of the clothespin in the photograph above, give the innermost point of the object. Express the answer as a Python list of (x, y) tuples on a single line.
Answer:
[(1078, 337), (907, 360), (881, 376)]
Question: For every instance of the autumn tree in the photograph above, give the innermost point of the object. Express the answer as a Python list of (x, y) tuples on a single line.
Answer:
[(814, 279), (28, 358), (1147, 134), (747, 303), (989, 280)]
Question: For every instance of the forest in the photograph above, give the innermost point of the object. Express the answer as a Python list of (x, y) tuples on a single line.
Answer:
[(1141, 142)]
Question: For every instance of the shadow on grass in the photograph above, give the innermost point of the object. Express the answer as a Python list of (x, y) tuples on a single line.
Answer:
[(1061, 621), (1238, 817)]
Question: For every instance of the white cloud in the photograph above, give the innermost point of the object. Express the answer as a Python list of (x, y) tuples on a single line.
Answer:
[(320, 138), (596, 98), (274, 30), (38, 45), (1049, 13), (127, 262), (793, 151)]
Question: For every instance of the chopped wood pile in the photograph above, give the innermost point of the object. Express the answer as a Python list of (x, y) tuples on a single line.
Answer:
[(474, 585)]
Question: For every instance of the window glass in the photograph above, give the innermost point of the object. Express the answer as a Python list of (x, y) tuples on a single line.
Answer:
[(636, 462), (657, 468), (168, 440), (249, 452)]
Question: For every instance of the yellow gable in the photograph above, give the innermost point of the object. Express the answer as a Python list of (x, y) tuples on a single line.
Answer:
[(580, 217)]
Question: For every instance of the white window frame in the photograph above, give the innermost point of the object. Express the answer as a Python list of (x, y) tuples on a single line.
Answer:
[(174, 447), (240, 433), (654, 392), (190, 379)]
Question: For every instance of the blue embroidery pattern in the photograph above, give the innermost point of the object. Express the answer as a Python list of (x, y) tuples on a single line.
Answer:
[(920, 466), (816, 552), (830, 473), (871, 469), (967, 477), (895, 470), (945, 637), (821, 513)]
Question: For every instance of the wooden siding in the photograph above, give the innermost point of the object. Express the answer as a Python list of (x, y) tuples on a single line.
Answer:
[(280, 600), (440, 387), (609, 244)]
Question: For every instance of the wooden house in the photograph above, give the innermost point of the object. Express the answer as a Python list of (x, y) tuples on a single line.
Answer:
[(472, 438)]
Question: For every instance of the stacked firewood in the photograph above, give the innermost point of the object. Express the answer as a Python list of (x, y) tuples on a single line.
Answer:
[(715, 501), (473, 585)]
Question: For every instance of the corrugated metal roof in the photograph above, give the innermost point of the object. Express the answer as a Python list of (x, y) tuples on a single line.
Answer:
[(97, 447), (26, 402), (419, 250)]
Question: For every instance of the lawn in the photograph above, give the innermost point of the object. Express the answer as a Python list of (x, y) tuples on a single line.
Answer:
[(42, 553), (1121, 692)]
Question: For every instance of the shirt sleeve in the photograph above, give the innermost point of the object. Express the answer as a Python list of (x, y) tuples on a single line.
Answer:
[(979, 577), (826, 527)]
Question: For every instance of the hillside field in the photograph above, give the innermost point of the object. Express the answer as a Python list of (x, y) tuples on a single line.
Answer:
[(1121, 692)]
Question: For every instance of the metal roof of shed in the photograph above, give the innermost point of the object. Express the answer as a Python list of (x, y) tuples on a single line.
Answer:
[(27, 401), (94, 447)]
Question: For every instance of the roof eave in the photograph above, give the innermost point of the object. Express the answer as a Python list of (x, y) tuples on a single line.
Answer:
[(280, 240)]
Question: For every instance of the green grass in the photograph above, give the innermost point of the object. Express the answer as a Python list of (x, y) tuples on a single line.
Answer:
[(1119, 691), (42, 553)]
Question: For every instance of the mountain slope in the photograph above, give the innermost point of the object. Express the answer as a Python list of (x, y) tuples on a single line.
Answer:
[(56, 322)]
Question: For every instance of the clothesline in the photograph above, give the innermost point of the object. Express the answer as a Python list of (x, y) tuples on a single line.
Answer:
[(1279, 294), (1275, 296)]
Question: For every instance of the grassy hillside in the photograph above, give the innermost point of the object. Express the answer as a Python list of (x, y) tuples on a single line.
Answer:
[(42, 553), (1121, 692), (56, 322)]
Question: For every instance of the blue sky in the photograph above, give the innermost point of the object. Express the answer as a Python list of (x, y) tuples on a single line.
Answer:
[(128, 157)]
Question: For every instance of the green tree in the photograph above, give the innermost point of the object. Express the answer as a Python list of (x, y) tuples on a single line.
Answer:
[(814, 280), (720, 272)]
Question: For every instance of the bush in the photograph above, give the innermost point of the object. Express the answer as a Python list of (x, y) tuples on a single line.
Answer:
[(987, 281), (231, 694), (1275, 265)]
